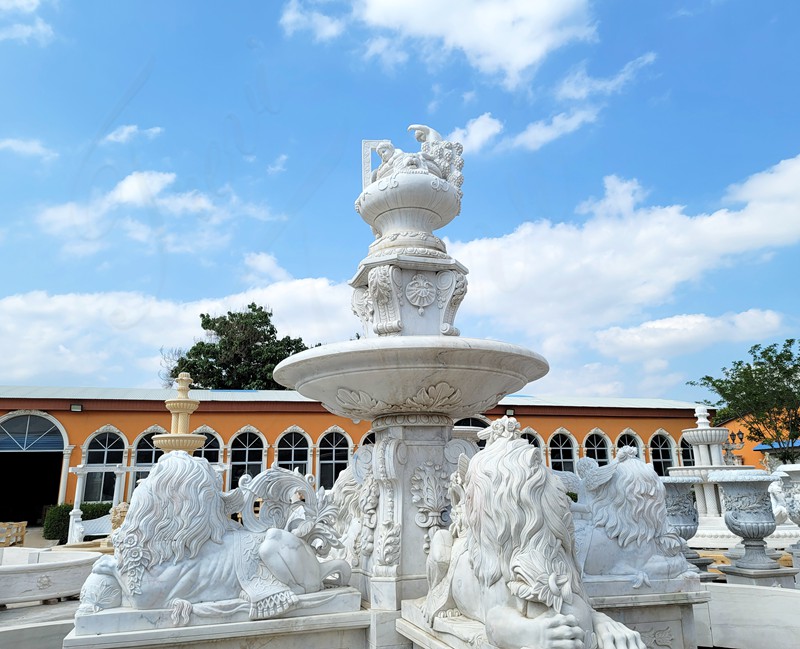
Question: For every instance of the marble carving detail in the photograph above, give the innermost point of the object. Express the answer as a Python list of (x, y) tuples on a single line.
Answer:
[(429, 494), (357, 404), (654, 638), (179, 549), (390, 455), (507, 561), (356, 498)]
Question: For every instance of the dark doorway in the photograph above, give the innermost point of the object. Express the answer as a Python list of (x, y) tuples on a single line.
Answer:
[(33, 487)]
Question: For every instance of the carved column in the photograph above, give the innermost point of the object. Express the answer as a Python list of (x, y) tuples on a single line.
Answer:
[(75, 515), (62, 485), (119, 484), (411, 473)]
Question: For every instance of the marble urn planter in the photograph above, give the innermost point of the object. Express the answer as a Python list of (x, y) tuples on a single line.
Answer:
[(681, 510), (748, 513)]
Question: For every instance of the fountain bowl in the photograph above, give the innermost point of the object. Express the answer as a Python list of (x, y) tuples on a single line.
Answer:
[(431, 379)]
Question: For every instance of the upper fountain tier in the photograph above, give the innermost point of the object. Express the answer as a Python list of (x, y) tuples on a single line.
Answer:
[(408, 284), (407, 291)]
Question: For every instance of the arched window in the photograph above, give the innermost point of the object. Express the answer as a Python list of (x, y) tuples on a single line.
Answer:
[(30, 433), (629, 439), (247, 456), (562, 453), (147, 453), (210, 449), (471, 422), (468, 428), (530, 436), (661, 453), (369, 438), (106, 449), (596, 447), (334, 455), (293, 452), (687, 456)]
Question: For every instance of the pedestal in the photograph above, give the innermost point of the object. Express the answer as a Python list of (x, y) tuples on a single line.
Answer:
[(345, 630), (774, 577), (412, 474), (663, 620)]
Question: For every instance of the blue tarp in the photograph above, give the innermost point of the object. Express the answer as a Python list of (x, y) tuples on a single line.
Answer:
[(775, 445)]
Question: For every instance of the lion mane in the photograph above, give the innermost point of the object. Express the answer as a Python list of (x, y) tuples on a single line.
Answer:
[(519, 524), (172, 514), (629, 502)]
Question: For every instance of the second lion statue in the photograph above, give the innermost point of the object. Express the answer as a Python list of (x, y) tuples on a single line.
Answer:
[(508, 559)]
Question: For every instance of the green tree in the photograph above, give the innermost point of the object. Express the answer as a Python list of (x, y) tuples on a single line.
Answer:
[(240, 353), (764, 393)]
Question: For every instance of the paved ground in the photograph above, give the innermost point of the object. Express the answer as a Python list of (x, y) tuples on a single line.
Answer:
[(34, 539)]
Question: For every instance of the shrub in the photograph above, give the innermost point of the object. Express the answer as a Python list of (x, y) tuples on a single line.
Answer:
[(56, 520)]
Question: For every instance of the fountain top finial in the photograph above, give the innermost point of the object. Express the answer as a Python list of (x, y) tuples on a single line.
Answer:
[(437, 156), (701, 414)]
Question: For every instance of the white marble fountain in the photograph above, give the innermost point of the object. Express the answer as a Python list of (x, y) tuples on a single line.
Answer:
[(422, 542)]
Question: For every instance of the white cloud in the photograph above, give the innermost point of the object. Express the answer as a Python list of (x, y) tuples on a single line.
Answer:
[(685, 333), (38, 31), (386, 51), (263, 268), (28, 148), (478, 132), (586, 380), (142, 208), (579, 85), (537, 134), (506, 37), (140, 188), (296, 17), (278, 165), (114, 338), (127, 132), (567, 281), (22, 6)]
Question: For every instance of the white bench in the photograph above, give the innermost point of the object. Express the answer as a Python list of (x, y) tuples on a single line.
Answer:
[(95, 527)]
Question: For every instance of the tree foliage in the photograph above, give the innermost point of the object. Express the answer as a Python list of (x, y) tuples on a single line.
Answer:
[(240, 353), (764, 393)]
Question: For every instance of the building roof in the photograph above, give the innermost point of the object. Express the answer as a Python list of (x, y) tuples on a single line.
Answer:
[(144, 394), (597, 402), (161, 394)]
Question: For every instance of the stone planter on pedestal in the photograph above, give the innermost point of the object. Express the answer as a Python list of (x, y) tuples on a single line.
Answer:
[(791, 490), (682, 517), (749, 515)]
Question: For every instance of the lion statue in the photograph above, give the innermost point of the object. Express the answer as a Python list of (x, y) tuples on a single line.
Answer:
[(508, 559), (179, 548), (625, 532)]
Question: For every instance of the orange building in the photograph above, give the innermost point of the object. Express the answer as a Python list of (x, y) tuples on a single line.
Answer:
[(53, 436)]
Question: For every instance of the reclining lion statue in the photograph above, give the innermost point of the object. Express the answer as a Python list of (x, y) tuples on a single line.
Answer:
[(508, 559), (179, 548), (624, 533)]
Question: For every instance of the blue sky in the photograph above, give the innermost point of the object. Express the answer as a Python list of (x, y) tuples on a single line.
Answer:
[(631, 197)]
